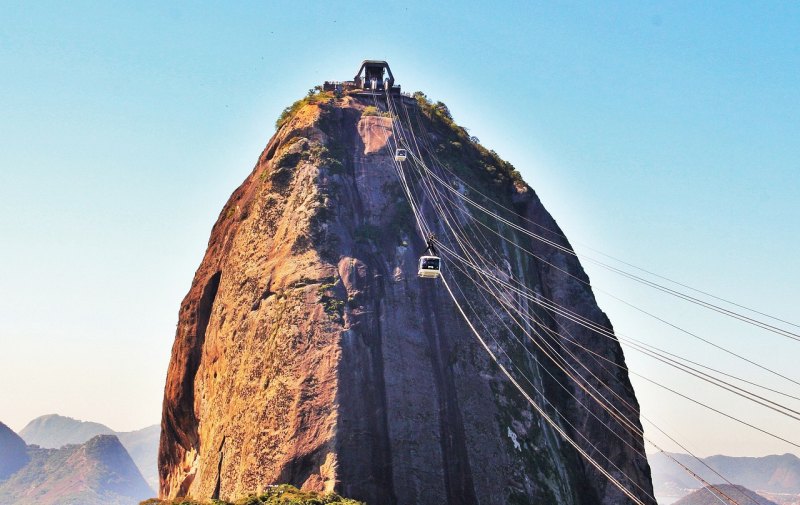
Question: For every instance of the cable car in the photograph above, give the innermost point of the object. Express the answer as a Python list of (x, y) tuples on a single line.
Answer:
[(430, 264), (400, 155)]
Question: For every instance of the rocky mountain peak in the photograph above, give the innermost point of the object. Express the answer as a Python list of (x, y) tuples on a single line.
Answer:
[(309, 352)]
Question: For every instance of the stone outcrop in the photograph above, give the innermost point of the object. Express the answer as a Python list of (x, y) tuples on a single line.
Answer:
[(308, 351)]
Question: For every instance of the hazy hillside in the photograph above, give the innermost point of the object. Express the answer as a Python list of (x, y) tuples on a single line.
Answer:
[(13, 453), (709, 496), (54, 431), (778, 475), (99, 472), (142, 445)]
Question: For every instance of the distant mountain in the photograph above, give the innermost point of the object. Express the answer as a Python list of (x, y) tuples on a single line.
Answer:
[(142, 445), (13, 453), (778, 474), (720, 493), (54, 431), (99, 472)]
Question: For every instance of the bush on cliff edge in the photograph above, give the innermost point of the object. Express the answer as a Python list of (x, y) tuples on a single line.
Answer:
[(277, 495)]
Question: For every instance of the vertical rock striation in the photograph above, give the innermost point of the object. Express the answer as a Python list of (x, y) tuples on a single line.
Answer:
[(308, 351)]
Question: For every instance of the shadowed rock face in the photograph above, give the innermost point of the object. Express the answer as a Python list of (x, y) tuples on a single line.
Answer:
[(308, 351)]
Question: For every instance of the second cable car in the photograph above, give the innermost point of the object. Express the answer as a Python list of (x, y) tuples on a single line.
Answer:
[(400, 155), (430, 264)]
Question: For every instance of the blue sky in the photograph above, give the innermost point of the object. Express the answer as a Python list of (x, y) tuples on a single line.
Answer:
[(664, 133)]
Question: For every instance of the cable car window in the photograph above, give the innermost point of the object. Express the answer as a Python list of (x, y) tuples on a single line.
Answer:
[(430, 263)]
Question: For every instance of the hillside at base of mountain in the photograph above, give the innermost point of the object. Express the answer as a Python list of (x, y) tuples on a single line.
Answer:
[(776, 475), (99, 472), (724, 493), (53, 431)]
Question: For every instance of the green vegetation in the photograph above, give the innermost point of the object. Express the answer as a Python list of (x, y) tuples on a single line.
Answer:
[(277, 495), (326, 157), (371, 110), (285, 163), (315, 95), (333, 306), (465, 146), (288, 159)]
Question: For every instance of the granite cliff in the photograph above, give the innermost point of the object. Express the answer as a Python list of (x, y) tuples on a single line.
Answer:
[(308, 352)]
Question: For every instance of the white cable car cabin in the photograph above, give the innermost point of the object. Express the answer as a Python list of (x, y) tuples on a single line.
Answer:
[(400, 155), (429, 267), (430, 264)]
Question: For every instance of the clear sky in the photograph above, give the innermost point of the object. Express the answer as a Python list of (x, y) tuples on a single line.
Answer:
[(667, 134)]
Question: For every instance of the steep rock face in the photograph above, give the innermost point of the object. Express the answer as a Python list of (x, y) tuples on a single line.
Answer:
[(308, 351)]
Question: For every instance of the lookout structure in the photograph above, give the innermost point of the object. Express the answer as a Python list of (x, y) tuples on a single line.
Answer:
[(369, 78)]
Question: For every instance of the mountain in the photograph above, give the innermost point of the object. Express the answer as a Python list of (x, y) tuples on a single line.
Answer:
[(723, 493), (54, 431), (13, 452), (142, 445), (309, 352), (778, 474), (98, 472)]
